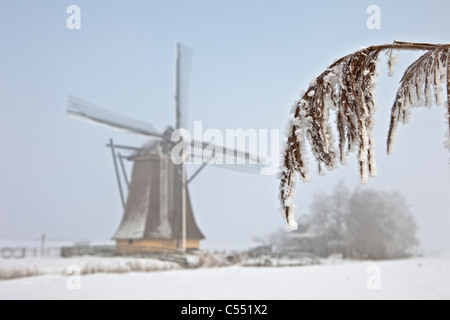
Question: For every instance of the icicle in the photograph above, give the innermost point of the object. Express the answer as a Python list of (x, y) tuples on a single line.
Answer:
[(304, 167), (287, 195), (439, 78), (420, 84), (429, 88), (363, 154), (363, 172), (392, 61), (288, 128), (372, 158)]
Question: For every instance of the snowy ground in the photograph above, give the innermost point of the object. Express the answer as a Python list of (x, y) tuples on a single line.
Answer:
[(19, 268), (418, 278)]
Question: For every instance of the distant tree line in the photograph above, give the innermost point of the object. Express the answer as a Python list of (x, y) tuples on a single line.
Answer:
[(363, 224)]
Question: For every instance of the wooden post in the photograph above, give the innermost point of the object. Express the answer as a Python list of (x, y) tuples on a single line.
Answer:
[(183, 206), (177, 89), (43, 245)]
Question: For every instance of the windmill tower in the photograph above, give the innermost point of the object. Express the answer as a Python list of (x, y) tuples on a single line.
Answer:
[(158, 214)]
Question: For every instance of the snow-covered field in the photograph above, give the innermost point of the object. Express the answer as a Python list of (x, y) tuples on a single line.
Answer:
[(19, 268), (418, 278)]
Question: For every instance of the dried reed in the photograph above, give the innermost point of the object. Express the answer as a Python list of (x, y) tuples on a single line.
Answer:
[(347, 87)]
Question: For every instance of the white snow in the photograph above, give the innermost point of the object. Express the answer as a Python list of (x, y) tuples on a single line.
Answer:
[(18, 268), (418, 278)]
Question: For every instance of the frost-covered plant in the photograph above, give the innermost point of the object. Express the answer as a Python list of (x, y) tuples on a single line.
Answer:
[(347, 87)]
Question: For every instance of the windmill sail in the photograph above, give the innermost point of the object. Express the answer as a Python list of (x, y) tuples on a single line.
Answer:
[(87, 111), (226, 157), (183, 68)]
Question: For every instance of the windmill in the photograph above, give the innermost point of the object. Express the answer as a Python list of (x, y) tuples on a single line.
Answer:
[(158, 214)]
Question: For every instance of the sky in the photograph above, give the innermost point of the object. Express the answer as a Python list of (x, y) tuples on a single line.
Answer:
[(250, 61)]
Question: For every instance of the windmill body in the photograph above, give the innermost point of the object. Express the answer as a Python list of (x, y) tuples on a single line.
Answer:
[(152, 218)]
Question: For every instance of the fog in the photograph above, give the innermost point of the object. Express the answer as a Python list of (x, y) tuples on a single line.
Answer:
[(250, 61)]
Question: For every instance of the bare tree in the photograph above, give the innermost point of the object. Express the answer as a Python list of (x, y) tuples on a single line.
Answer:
[(328, 221), (347, 87), (329, 212), (380, 225)]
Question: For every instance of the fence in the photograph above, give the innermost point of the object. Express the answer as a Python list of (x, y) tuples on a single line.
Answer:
[(24, 252), (55, 252), (264, 256), (92, 250), (104, 251)]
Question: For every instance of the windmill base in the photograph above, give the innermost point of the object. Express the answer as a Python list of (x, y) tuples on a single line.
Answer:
[(143, 246)]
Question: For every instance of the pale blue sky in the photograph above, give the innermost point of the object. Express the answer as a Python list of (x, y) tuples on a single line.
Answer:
[(251, 59)]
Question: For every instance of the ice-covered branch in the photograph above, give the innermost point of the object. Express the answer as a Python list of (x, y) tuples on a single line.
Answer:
[(347, 87)]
